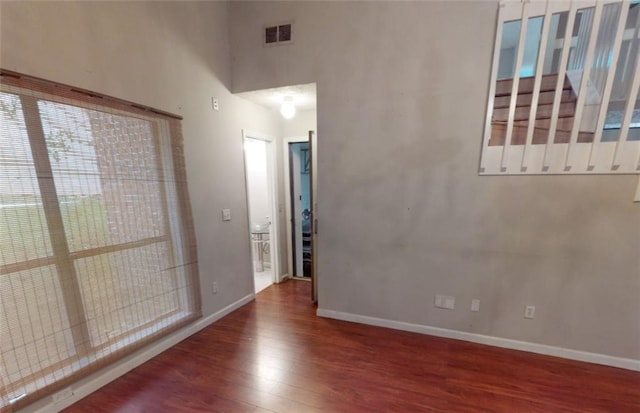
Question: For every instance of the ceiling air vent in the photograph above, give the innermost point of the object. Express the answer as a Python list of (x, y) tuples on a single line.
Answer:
[(278, 34)]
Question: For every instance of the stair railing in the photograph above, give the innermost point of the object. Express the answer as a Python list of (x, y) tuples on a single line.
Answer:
[(594, 60)]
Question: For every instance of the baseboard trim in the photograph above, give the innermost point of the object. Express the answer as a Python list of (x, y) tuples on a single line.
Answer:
[(110, 373), (284, 277), (629, 364)]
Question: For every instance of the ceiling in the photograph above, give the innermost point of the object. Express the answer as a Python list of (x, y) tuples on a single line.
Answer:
[(304, 96)]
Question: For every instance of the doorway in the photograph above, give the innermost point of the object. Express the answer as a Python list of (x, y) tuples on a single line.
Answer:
[(300, 195), (301, 207), (298, 120), (261, 189)]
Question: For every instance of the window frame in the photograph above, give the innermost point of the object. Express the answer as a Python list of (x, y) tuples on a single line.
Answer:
[(177, 225)]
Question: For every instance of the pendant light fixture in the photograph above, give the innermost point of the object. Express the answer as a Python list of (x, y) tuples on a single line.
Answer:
[(288, 109)]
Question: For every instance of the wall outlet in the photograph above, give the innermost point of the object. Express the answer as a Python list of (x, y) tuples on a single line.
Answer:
[(529, 311), (62, 394), (226, 214), (214, 287), (215, 104), (475, 305), (445, 301), (450, 303)]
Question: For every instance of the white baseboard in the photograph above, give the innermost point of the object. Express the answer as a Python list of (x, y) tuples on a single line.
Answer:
[(629, 364), (284, 277), (110, 373)]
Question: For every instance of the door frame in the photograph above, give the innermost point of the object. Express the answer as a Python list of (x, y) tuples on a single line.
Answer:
[(287, 197), (313, 153), (272, 179)]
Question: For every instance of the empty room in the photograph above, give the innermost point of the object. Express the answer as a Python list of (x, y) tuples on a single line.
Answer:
[(320, 206)]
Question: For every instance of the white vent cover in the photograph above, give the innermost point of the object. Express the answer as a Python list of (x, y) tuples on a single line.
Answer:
[(276, 34)]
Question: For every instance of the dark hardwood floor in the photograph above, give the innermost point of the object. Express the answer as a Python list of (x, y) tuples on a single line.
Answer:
[(275, 355)]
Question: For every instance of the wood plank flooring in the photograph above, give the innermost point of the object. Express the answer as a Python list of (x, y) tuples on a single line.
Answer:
[(275, 355)]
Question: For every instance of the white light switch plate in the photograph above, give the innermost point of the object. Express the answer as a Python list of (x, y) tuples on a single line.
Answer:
[(529, 311), (226, 214)]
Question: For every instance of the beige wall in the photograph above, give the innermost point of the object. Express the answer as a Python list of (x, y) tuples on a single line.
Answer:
[(404, 214), (300, 125), (402, 90), (174, 57)]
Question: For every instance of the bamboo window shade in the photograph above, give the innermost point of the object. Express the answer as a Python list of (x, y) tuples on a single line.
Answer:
[(97, 247)]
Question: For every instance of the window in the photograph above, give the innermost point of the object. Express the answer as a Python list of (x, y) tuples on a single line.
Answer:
[(564, 89), (97, 250)]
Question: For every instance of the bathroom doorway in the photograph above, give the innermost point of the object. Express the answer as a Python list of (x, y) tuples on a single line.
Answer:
[(259, 153)]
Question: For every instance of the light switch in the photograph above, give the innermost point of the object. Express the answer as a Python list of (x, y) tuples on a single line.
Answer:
[(226, 214), (529, 311)]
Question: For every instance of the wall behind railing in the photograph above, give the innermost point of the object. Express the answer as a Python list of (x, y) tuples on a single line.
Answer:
[(404, 215)]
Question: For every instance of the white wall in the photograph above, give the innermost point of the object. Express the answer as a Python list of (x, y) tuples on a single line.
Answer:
[(402, 90), (300, 125), (173, 56)]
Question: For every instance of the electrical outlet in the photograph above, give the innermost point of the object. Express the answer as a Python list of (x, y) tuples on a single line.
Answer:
[(450, 303), (226, 214), (445, 301), (438, 301), (214, 104), (529, 311), (475, 305), (214, 287)]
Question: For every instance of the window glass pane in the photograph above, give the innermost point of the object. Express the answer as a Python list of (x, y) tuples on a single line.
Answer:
[(553, 51), (571, 86), (509, 49), (106, 173), (128, 156), (579, 47), (602, 56), (34, 331), (73, 161), (115, 302), (555, 42), (504, 82), (621, 91), (634, 126), (531, 47), (23, 228), (526, 83)]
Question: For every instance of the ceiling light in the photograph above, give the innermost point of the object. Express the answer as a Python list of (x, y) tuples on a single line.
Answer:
[(288, 109)]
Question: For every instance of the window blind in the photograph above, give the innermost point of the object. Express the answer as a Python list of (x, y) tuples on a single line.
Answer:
[(97, 247)]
